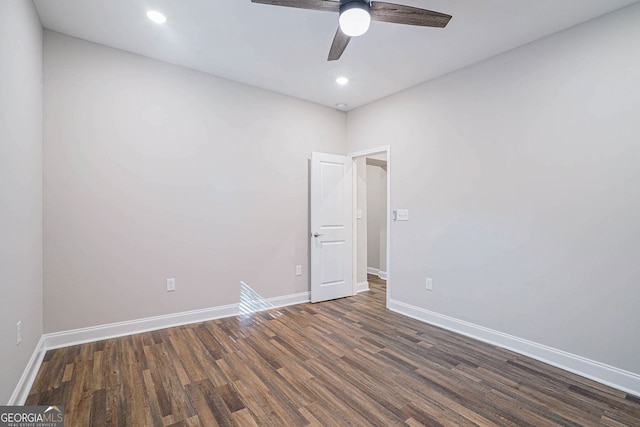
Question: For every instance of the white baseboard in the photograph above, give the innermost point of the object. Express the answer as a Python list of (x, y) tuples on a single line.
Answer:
[(617, 378), (119, 329), (377, 272), (362, 287), (21, 392), (114, 330), (292, 299)]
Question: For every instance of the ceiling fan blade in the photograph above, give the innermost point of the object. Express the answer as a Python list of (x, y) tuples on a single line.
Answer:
[(398, 14), (328, 5), (340, 42)]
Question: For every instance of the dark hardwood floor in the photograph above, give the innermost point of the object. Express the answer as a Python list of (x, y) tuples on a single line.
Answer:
[(343, 362)]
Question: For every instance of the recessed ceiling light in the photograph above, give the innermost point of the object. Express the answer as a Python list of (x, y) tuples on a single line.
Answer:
[(156, 17), (342, 80)]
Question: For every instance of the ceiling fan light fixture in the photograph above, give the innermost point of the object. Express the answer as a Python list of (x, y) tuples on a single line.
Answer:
[(355, 18)]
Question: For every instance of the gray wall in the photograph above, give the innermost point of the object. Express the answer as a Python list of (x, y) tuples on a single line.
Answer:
[(154, 171), (20, 188), (522, 178), (377, 216)]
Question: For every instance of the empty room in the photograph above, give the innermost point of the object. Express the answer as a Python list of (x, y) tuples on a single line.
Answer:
[(320, 212)]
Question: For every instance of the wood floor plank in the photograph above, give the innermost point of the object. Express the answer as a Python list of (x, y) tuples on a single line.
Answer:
[(244, 418), (155, 404), (348, 362)]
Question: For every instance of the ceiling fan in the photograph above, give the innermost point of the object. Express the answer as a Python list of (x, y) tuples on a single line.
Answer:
[(356, 15)]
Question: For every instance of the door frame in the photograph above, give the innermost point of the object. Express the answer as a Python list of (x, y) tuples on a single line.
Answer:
[(387, 150)]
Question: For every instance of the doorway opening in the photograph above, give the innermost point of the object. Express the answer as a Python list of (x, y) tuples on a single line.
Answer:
[(371, 222), (336, 264)]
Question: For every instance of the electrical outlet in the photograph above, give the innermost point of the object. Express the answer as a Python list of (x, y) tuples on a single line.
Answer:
[(18, 332), (298, 270), (429, 284), (171, 285)]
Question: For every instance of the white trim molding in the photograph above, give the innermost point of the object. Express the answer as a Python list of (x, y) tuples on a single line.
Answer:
[(609, 375), (381, 274), (21, 392), (387, 150), (362, 287), (292, 299), (113, 330)]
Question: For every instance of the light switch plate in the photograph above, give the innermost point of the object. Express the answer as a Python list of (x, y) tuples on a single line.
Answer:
[(298, 270), (171, 285), (402, 215)]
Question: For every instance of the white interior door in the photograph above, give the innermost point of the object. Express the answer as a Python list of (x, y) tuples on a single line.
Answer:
[(331, 227)]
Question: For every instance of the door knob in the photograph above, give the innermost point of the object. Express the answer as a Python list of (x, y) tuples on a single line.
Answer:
[(317, 234)]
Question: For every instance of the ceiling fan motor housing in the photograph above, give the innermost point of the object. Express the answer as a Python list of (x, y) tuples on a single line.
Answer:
[(350, 4)]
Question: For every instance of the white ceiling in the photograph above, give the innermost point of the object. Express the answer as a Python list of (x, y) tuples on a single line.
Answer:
[(284, 49)]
